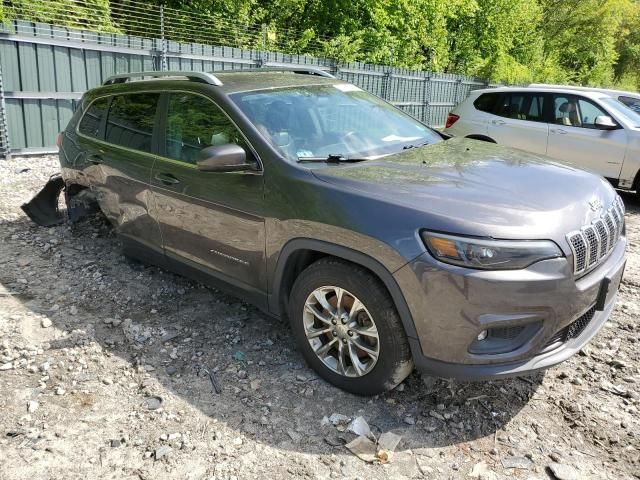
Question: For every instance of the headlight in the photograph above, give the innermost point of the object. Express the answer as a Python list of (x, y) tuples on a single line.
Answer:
[(489, 254)]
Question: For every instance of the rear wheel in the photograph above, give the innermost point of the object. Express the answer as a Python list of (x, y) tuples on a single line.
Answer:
[(347, 328)]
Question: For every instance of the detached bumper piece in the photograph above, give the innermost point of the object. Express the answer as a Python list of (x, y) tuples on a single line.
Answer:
[(43, 208)]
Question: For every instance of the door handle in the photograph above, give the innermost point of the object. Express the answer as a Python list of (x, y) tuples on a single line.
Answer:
[(95, 159), (167, 178), (498, 122), (558, 131)]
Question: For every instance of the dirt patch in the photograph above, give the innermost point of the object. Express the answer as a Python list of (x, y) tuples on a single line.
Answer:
[(108, 368)]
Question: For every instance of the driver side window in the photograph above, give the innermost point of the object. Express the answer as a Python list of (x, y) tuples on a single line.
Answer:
[(195, 122), (589, 112)]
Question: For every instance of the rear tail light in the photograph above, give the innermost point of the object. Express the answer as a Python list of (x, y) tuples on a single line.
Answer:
[(451, 119), (59, 140)]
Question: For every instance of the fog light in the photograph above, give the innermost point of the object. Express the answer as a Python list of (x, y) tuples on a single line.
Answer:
[(482, 335)]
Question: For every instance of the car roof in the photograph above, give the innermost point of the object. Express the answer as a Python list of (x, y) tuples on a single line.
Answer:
[(231, 81), (608, 91), (593, 94)]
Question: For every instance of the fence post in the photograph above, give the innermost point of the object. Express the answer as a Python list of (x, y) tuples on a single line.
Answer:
[(5, 148), (334, 67), (386, 86), (426, 95), (263, 51), (457, 92), (163, 42)]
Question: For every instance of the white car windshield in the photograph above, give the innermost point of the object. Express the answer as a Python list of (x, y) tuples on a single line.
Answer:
[(622, 110), (340, 121)]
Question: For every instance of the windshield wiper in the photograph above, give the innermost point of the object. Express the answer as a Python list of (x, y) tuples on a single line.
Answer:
[(331, 158), (411, 145)]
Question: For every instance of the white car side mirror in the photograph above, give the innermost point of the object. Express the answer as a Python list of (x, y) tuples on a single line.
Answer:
[(604, 122)]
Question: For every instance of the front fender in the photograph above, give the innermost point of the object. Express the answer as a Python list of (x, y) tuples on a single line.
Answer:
[(358, 257)]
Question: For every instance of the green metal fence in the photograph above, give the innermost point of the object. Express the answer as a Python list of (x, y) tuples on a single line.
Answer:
[(44, 69)]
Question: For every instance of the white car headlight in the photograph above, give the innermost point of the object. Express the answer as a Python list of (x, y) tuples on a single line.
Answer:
[(489, 254)]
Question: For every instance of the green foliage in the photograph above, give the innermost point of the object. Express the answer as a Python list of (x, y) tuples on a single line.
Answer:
[(592, 42), (89, 15)]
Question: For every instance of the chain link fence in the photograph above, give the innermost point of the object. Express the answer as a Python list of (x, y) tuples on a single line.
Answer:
[(45, 68)]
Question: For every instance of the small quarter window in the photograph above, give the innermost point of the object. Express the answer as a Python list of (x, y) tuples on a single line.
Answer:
[(486, 102), (92, 118), (130, 120)]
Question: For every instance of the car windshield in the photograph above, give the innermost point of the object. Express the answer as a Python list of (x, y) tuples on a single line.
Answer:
[(622, 110), (340, 121)]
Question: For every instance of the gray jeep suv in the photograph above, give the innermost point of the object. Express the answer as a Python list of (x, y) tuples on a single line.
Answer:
[(385, 244)]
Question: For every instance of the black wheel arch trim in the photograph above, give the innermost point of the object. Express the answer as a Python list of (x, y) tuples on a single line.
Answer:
[(349, 255)]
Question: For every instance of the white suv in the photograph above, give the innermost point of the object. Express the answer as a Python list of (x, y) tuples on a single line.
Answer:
[(588, 129)]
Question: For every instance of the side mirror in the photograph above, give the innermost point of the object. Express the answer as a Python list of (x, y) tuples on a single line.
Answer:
[(224, 158), (604, 122)]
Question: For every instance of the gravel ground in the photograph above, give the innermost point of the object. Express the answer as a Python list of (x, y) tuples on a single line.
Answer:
[(107, 370)]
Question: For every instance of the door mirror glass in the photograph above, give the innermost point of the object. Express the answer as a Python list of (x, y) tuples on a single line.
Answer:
[(224, 158), (604, 122)]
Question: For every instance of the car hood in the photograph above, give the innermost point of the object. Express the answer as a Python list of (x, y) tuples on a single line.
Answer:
[(478, 188)]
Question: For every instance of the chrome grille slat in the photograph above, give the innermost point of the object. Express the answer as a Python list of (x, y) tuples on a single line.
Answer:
[(591, 244), (612, 228), (579, 247), (619, 216), (603, 235)]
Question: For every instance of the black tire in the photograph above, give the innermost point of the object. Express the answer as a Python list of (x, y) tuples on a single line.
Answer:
[(394, 361)]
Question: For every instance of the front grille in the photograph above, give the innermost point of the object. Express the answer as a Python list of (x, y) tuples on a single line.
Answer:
[(572, 330), (593, 242)]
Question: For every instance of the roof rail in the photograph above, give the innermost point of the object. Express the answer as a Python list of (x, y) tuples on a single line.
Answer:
[(193, 76), (278, 68)]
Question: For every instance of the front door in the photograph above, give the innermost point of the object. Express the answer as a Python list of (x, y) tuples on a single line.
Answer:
[(209, 220), (573, 137), (519, 122)]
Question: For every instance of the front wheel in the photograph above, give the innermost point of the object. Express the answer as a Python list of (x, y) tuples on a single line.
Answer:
[(348, 329)]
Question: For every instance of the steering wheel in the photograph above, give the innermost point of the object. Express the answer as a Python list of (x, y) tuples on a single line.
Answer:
[(354, 141)]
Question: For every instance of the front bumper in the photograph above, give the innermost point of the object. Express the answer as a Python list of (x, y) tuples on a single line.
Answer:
[(450, 306)]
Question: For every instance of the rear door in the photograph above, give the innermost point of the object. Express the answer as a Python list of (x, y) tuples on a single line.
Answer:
[(121, 171), (519, 122), (573, 137), (208, 219)]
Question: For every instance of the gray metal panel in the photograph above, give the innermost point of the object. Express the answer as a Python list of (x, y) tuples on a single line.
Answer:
[(78, 70), (15, 121), (50, 126), (62, 69), (9, 62), (33, 122)]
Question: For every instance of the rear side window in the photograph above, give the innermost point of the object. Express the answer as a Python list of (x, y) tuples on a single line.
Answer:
[(535, 110), (486, 102), (522, 106), (92, 118), (130, 120)]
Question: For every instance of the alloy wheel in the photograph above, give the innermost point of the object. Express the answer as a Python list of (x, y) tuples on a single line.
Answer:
[(341, 331)]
